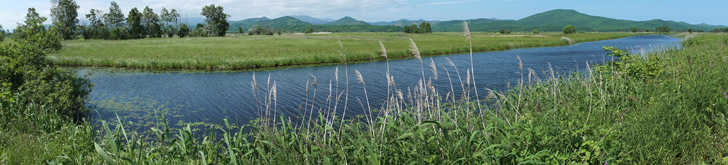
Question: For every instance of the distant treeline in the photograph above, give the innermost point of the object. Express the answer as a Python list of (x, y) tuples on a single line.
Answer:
[(720, 30), (114, 25), (317, 28)]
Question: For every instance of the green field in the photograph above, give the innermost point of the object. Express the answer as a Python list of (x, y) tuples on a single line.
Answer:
[(253, 52)]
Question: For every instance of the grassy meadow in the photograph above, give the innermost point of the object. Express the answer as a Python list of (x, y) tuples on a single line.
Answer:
[(253, 52), (667, 107)]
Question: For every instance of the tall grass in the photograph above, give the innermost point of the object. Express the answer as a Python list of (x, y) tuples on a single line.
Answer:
[(254, 52), (619, 113)]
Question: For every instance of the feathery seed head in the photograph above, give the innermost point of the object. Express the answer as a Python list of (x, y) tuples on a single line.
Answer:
[(359, 77), (520, 63), (467, 30), (315, 81), (434, 68), (415, 50), (384, 50), (467, 77)]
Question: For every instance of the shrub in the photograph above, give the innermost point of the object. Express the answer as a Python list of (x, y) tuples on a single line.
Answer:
[(569, 29)]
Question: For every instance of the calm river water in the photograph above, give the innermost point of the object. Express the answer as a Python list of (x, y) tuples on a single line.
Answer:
[(194, 97)]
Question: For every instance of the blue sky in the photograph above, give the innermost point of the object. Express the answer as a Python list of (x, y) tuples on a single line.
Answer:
[(695, 11)]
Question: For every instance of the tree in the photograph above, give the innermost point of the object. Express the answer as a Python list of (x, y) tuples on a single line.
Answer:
[(535, 31), (23, 63), (502, 31), (309, 30), (663, 29), (33, 31), (634, 30), (171, 30), (63, 15), (150, 21), (115, 18), (136, 30), (96, 27), (690, 30), (216, 19), (569, 29), (240, 29), (2, 33), (425, 28), (183, 31)]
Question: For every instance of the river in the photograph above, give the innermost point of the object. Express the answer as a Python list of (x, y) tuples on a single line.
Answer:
[(183, 97)]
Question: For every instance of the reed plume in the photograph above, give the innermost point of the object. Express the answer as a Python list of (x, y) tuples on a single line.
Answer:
[(415, 51), (434, 68)]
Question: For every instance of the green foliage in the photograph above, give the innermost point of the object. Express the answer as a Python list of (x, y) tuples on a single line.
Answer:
[(171, 30), (24, 65), (150, 21), (308, 31), (96, 29), (2, 33), (535, 31), (718, 30), (63, 15), (183, 31), (39, 104), (504, 31), (134, 22), (256, 30), (216, 19), (634, 30), (637, 66), (423, 28), (114, 17), (663, 29), (569, 29)]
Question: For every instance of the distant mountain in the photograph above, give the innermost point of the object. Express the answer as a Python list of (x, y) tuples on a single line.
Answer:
[(291, 24), (347, 21), (555, 20), (549, 21), (245, 24), (312, 20), (401, 22), (282, 21)]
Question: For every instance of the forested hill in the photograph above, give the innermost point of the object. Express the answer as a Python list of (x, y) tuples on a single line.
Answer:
[(555, 20), (291, 24), (550, 21)]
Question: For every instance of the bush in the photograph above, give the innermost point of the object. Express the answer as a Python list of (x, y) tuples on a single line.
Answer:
[(663, 29), (569, 29), (183, 31)]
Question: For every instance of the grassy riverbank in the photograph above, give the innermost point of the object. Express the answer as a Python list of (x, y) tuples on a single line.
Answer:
[(252, 52), (663, 108)]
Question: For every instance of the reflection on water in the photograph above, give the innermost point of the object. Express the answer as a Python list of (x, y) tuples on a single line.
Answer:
[(141, 97)]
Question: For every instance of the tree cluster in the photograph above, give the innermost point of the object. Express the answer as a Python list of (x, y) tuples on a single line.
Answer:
[(216, 20), (663, 29), (26, 72), (423, 28), (504, 31), (136, 25), (2, 33), (569, 29), (257, 30), (720, 30)]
